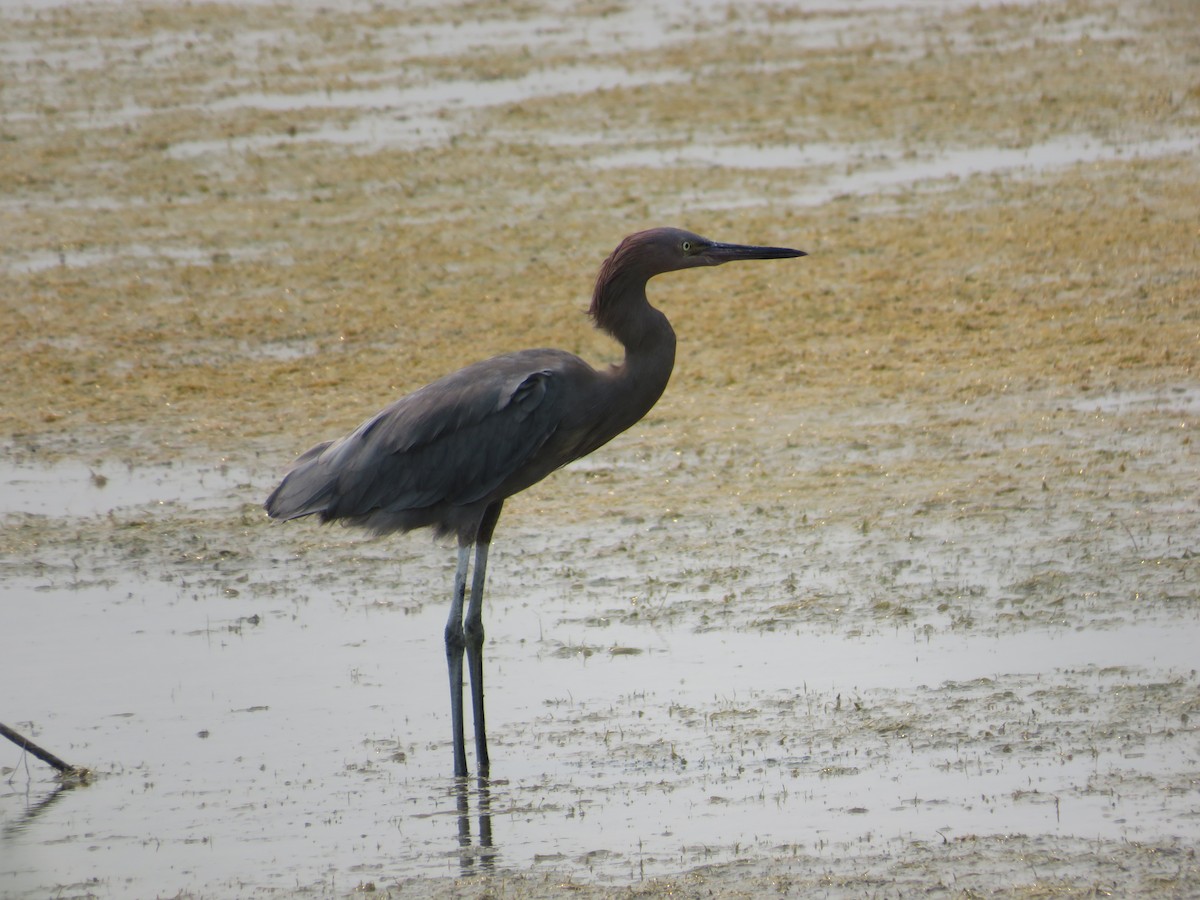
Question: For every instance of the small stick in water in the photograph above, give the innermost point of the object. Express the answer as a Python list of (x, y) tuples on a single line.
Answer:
[(64, 769)]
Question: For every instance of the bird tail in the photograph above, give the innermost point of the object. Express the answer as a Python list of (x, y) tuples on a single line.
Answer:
[(307, 488)]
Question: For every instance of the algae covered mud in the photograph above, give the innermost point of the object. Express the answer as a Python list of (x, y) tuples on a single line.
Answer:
[(894, 591)]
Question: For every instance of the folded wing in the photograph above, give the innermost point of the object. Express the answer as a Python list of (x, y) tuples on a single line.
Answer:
[(450, 443)]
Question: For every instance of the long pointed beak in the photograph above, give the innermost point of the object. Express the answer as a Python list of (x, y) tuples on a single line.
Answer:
[(723, 253)]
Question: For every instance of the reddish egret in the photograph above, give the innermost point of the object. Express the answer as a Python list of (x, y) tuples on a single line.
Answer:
[(447, 456)]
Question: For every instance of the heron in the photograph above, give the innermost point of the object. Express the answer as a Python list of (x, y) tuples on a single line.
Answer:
[(449, 454)]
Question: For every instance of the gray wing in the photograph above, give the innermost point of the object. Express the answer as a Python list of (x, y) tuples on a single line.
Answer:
[(451, 442)]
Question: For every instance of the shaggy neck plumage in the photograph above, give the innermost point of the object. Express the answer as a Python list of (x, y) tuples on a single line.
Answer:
[(620, 308), (619, 305)]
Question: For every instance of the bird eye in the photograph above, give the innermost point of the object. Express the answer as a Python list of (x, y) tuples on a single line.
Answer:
[(687, 246)]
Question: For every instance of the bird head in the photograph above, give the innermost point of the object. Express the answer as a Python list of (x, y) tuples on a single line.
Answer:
[(643, 255), (669, 249)]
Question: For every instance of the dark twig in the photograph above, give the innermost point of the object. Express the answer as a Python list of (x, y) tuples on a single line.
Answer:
[(45, 756)]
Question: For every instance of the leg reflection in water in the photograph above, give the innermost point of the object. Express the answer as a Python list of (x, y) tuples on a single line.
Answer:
[(482, 858)]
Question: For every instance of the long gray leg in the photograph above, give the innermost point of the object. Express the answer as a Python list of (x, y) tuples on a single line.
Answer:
[(454, 624), (454, 660), (475, 664), (483, 541), (473, 627), (473, 633)]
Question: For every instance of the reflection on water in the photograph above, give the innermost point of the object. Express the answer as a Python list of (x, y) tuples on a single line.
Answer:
[(34, 808), (477, 855)]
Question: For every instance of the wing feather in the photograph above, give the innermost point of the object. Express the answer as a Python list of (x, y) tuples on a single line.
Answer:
[(451, 442)]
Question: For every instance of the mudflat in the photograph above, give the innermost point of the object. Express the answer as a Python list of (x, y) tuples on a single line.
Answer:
[(895, 590)]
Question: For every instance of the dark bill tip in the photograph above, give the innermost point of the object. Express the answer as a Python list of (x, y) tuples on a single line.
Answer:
[(730, 252)]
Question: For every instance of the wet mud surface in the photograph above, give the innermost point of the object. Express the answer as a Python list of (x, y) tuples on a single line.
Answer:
[(896, 590)]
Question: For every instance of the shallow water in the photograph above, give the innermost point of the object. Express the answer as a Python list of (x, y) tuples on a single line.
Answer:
[(877, 170), (250, 727), (69, 488), (415, 116)]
